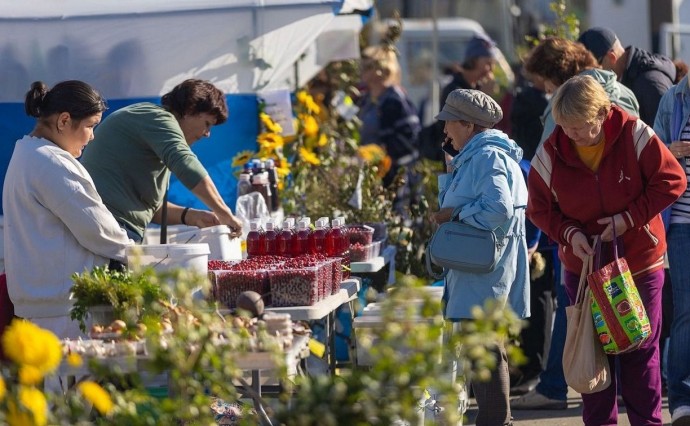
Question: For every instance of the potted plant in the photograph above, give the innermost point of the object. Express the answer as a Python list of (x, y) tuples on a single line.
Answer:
[(106, 295)]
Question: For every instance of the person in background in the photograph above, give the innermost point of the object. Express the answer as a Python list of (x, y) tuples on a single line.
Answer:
[(556, 59), (625, 177), (55, 222), (388, 117), (672, 125), (552, 62), (647, 74), (475, 72), (484, 188), (136, 148)]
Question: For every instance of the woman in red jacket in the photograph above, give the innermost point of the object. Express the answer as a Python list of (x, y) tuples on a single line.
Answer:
[(602, 168)]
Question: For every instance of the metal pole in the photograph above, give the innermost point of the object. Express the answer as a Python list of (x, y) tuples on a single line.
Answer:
[(435, 95)]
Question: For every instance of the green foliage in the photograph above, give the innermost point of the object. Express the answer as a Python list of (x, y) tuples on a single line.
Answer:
[(126, 292), (408, 361), (566, 25)]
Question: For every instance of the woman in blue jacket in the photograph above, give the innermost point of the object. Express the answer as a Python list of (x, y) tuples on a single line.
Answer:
[(484, 188)]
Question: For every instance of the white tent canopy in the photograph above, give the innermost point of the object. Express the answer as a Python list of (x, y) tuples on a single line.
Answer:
[(134, 49)]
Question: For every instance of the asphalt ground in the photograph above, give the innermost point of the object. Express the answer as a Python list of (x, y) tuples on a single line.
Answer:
[(568, 417)]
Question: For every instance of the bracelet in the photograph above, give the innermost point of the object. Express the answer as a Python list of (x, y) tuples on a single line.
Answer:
[(184, 214)]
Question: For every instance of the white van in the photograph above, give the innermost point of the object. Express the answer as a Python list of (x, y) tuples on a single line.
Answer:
[(416, 57)]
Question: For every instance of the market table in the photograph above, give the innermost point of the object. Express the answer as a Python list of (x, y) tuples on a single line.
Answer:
[(325, 309), (253, 362)]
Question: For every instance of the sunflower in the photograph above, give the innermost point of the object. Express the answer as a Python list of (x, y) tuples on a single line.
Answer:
[(323, 140), (309, 157), (29, 375), (96, 395), (309, 124), (74, 360), (242, 158), (308, 101), (270, 141), (269, 124), (3, 389)]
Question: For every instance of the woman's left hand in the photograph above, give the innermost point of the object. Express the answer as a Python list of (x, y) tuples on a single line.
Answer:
[(610, 222), (441, 216)]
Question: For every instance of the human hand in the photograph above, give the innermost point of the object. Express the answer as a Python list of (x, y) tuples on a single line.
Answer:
[(232, 222), (201, 218), (610, 222), (580, 245), (680, 149), (441, 216)]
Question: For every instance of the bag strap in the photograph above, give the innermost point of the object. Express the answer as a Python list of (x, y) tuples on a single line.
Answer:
[(430, 271), (597, 247), (586, 270)]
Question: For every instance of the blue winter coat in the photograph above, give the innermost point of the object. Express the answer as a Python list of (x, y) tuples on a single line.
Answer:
[(487, 189)]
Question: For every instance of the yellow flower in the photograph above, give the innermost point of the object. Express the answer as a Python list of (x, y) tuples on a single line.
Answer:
[(269, 124), (29, 375), (270, 141), (242, 158), (96, 395), (3, 389), (309, 157), (311, 127), (283, 172), (308, 101), (74, 360), (371, 153), (33, 410), (323, 140), (27, 344)]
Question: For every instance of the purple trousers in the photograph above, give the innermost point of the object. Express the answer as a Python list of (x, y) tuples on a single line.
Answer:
[(638, 372)]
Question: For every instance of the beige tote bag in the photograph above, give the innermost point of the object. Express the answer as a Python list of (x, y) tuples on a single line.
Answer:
[(585, 365)]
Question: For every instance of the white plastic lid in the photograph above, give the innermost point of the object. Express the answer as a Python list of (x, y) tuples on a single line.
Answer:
[(306, 219), (269, 225), (244, 176), (322, 223), (335, 223), (254, 225), (342, 220), (302, 224)]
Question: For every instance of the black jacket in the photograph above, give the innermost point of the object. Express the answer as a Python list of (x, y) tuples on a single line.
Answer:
[(649, 76)]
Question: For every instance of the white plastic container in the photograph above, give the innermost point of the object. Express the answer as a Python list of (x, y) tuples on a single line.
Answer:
[(220, 244), (164, 257)]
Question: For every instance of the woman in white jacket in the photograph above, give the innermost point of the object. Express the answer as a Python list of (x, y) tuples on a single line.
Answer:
[(55, 222)]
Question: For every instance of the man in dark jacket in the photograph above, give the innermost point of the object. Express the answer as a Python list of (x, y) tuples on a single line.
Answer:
[(648, 75), (476, 70)]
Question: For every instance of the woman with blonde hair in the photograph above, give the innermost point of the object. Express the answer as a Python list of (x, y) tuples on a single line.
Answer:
[(603, 169), (388, 117)]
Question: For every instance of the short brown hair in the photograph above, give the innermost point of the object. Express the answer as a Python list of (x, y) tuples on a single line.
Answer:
[(557, 59), (192, 97)]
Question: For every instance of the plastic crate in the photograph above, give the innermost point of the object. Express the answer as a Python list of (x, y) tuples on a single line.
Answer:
[(228, 285)]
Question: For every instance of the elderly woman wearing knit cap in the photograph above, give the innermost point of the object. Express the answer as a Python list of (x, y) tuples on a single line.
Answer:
[(484, 188)]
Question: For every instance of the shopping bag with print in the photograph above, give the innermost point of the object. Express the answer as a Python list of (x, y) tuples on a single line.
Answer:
[(619, 316)]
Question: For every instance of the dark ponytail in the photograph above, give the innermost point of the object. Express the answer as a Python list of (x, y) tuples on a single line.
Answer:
[(73, 96)]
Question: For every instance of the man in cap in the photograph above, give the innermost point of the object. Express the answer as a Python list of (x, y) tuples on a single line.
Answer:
[(485, 189), (647, 74), (477, 66), (475, 71)]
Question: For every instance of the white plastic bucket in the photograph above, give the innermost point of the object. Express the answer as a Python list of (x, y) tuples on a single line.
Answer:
[(164, 257), (222, 247)]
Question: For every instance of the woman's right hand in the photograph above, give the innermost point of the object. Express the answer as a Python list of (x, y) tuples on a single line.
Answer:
[(581, 247), (680, 149)]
